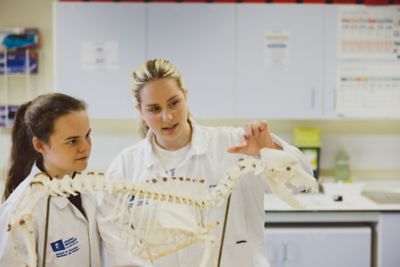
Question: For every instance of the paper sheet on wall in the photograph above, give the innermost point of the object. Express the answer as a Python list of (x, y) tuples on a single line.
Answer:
[(276, 51), (368, 91), (369, 32), (99, 55)]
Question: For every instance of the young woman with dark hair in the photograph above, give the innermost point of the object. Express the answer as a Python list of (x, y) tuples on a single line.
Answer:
[(51, 134)]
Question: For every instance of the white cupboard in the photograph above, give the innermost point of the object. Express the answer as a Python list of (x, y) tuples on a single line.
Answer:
[(345, 246), (280, 61), (247, 61), (96, 49), (199, 40), (388, 240)]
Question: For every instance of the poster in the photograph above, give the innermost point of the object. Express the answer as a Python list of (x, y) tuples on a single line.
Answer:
[(276, 52), (99, 55)]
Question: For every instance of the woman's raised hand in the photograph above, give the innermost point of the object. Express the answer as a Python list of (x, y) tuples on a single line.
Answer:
[(256, 137)]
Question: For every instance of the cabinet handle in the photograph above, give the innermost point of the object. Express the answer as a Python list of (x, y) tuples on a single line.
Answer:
[(334, 99), (285, 251), (313, 98)]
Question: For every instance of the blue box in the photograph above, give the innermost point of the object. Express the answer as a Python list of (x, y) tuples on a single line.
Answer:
[(16, 62), (7, 119)]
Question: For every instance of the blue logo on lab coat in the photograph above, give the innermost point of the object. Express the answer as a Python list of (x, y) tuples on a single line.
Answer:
[(58, 245), (66, 247)]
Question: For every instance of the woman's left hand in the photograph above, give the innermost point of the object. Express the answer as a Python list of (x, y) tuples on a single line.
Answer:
[(256, 137)]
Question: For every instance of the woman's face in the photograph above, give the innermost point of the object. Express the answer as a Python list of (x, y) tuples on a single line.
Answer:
[(163, 107), (68, 148)]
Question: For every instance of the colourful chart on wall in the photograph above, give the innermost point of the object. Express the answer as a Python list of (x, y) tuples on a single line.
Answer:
[(369, 32), (369, 91)]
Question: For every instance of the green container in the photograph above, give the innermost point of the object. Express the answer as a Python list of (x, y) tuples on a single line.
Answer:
[(342, 167)]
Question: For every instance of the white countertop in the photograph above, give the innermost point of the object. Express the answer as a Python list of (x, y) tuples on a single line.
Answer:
[(324, 202)]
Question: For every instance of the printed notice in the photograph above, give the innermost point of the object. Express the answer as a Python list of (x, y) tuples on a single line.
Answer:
[(99, 55), (276, 51), (369, 33), (369, 92)]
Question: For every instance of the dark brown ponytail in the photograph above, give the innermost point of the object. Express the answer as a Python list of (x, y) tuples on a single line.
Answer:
[(22, 153)]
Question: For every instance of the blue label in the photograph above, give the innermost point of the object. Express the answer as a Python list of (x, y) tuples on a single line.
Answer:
[(65, 247), (58, 245)]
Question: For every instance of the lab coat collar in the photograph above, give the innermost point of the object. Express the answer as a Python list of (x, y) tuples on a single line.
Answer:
[(63, 202), (198, 144), (60, 202)]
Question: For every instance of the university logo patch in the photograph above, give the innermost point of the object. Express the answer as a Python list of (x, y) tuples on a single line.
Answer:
[(65, 247)]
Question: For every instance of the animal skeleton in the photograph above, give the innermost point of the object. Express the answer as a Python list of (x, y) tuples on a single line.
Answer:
[(163, 216)]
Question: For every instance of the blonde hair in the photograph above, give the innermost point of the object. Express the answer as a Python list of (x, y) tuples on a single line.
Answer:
[(153, 70)]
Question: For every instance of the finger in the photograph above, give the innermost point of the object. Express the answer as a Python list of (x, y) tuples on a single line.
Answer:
[(243, 140), (263, 125), (247, 134), (236, 149), (247, 130), (255, 128)]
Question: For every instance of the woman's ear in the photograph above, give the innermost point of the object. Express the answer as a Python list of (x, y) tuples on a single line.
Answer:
[(185, 93), (38, 145)]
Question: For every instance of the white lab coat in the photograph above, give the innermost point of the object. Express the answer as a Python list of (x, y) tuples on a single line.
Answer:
[(207, 158), (72, 239)]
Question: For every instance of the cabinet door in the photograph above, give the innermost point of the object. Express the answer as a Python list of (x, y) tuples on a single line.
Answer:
[(279, 61), (331, 62), (388, 239), (97, 46), (199, 40), (319, 246)]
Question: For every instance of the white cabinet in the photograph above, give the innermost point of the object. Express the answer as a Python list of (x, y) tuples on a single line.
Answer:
[(346, 246), (232, 61), (199, 40), (331, 62), (97, 47), (265, 91), (388, 240)]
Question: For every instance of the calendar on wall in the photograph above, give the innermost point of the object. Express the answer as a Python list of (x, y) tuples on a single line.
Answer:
[(369, 32), (368, 62), (364, 91)]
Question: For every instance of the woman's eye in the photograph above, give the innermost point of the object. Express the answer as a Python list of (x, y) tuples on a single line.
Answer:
[(72, 142), (174, 103), (154, 110)]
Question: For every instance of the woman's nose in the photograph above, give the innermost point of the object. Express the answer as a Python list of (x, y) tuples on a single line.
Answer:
[(86, 144), (167, 116)]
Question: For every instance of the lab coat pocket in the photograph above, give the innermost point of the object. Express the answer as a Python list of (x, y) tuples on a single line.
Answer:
[(238, 252)]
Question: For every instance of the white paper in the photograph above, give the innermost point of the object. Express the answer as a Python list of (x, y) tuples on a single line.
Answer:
[(369, 32), (369, 92), (276, 51), (99, 55)]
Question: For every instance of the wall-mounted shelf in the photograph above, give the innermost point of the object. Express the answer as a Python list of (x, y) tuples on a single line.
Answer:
[(18, 61)]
